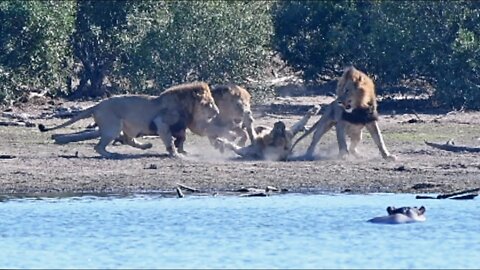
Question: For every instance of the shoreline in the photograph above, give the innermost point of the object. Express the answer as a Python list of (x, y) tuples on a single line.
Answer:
[(173, 194), (30, 163)]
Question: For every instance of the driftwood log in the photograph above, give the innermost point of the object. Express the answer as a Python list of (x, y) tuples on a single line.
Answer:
[(461, 195), (17, 124), (191, 189), (450, 146)]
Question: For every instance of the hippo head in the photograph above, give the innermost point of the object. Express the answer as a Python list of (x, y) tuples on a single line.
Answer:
[(414, 212), (401, 215), (406, 210)]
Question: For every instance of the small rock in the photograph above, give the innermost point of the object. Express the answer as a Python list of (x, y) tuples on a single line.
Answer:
[(423, 185), (401, 168), (151, 167)]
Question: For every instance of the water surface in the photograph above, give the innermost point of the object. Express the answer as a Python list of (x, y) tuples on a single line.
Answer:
[(287, 231)]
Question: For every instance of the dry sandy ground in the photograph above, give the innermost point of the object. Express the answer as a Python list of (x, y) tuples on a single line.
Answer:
[(31, 164)]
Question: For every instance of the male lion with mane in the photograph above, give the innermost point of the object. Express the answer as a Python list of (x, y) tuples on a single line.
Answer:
[(354, 109), (167, 115), (233, 103)]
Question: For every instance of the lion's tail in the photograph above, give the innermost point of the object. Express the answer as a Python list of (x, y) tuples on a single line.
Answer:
[(81, 115)]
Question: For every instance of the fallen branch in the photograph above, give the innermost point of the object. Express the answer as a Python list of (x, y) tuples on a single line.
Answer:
[(249, 190), (468, 194), (16, 124), (444, 196), (257, 194), (465, 197), (69, 156), (450, 146), (188, 188)]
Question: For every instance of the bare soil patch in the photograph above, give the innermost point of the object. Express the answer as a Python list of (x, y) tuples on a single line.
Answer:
[(31, 164)]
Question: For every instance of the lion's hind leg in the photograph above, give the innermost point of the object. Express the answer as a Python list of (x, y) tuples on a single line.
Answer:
[(324, 124), (300, 125), (377, 137), (109, 130), (102, 144)]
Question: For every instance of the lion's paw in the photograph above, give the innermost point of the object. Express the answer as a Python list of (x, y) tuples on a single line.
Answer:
[(390, 158), (219, 144)]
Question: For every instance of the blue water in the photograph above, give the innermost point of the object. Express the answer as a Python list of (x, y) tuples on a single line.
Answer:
[(286, 231)]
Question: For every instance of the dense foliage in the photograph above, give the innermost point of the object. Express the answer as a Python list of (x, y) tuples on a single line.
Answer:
[(34, 46), (88, 48), (437, 42)]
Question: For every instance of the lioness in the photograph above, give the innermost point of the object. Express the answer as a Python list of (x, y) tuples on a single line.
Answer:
[(269, 143), (354, 109), (232, 101), (168, 115)]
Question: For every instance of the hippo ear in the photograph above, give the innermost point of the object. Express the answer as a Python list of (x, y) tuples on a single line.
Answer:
[(422, 210), (390, 210)]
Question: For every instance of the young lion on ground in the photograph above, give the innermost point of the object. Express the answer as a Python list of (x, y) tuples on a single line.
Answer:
[(168, 115), (269, 143), (354, 109)]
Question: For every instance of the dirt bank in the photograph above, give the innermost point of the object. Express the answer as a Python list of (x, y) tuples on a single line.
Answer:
[(31, 163)]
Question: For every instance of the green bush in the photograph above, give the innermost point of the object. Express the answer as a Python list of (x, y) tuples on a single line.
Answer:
[(34, 46), (79, 47), (394, 41), (84, 47), (215, 41)]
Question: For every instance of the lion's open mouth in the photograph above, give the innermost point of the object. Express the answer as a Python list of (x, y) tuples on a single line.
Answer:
[(348, 108)]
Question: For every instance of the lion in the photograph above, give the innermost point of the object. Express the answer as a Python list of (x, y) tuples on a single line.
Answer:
[(354, 109), (269, 143), (167, 115), (233, 102)]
